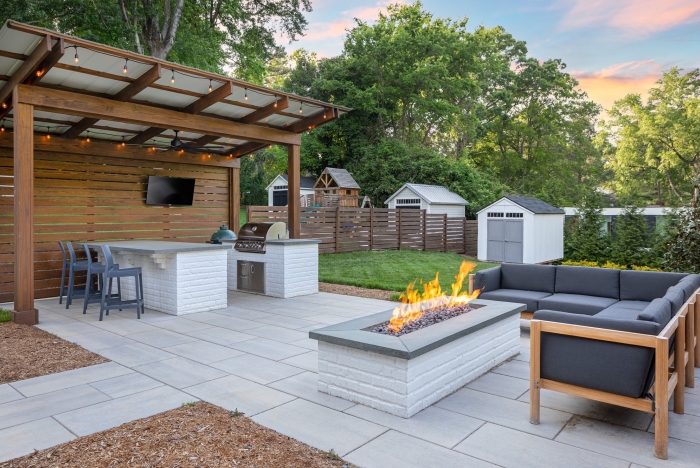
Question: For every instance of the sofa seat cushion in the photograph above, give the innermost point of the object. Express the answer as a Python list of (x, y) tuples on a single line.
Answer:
[(587, 281), (529, 298), (528, 277), (575, 303), (636, 305), (646, 285), (599, 365), (620, 313)]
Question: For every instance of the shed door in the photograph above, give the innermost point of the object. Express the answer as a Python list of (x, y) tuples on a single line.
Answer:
[(514, 241), (279, 198), (495, 237)]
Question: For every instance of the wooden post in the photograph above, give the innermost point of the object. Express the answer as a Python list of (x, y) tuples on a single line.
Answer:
[(371, 228), (697, 330), (679, 367), (293, 192), (399, 229), (425, 231), (690, 346), (661, 401), (472, 277), (464, 235), (24, 311), (337, 228), (444, 233), (535, 371), (234, 193)]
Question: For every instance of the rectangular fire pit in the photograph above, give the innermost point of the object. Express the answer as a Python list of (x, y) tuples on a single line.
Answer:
[(405, 374)]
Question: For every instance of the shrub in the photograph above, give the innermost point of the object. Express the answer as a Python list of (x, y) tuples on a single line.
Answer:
[(4, 315), (631, 239), (614, 266), (586, 238), (683, 242)]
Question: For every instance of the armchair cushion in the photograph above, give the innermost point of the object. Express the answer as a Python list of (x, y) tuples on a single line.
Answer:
[(599, 365), (488, 280), (529, 298), (528, 277), (576, 303), (646, 285), (601, 282), (658, 311)]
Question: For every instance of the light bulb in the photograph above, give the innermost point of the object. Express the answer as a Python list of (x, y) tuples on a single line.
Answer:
[(4, 105), (210, 86), (172, 78), (246, 94), (48, 136), (2, 128), (125, 70), (88, 139), (275, 101), (76, 59), (300, 110), (324, 113)]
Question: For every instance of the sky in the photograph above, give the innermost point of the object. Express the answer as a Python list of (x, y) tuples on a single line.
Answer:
[(612, 47)]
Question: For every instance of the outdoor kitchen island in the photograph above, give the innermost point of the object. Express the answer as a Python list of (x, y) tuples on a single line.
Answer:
[(178, 277)]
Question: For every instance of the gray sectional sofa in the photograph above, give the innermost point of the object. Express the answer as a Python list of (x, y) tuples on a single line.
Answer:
[(598, 333)]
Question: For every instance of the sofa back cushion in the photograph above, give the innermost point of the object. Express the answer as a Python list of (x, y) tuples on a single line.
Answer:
[(488, 280), (599, 365), (676, 297), (528, 277), (646, 285), (658, 311), (601, 282), (689, 285)]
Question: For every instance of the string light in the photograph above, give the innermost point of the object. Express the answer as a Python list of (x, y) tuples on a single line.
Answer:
[(246, 94), (275, 101), (210, 86), (88, 136), (172, 78), (324, 113), (4, 105), (126, 70), (76, 59), (48, 133), (2, 128), (300, 109), (123, 143)]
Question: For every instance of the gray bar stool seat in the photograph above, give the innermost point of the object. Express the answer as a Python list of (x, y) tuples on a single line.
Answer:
[(111, 272), (95, 268)]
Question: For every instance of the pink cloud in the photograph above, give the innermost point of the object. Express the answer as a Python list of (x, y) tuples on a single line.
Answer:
[(638, 17), (338, 28), (616, 81)]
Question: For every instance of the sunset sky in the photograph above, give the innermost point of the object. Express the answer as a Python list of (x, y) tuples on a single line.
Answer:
[(613, 47)]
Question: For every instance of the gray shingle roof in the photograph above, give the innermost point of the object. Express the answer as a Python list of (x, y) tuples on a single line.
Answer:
[(535, 205), (342, 177), (433, 194), (304, 182)]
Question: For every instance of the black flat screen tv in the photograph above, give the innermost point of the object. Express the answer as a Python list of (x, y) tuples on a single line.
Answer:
[(170, 191)]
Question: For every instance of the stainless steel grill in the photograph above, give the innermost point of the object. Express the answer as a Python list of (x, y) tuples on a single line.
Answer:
[(252, 236)]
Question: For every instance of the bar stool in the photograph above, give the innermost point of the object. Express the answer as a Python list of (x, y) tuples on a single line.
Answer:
[(108, 301), (96, 268), (74, 266)]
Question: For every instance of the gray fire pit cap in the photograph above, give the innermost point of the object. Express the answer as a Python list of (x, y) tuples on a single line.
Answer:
[(412, 345)]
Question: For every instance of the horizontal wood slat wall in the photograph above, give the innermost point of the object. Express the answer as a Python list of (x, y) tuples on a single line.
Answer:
[(80, 198), (352, 229)]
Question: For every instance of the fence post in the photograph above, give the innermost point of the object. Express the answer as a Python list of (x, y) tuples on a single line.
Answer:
[(247, 214), (444, 233), (464, 235), (371, 228), (399, 229), (425, 230), (337, 227)]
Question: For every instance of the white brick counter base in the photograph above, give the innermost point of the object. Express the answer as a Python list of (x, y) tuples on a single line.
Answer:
[(403, 387), (291, 269), (178, 283)]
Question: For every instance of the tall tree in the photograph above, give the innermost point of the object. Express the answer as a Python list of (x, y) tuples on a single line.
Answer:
[(658, 143)]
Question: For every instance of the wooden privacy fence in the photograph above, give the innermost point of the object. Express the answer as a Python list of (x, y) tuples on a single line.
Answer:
[(80, 198), (353, 229)]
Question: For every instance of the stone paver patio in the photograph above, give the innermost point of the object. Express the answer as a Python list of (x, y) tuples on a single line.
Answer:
[(255, 356)]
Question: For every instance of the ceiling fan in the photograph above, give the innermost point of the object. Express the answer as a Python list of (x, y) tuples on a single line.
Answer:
[(178, 145)]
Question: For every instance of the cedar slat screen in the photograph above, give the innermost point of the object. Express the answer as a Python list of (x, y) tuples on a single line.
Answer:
[(81, 198), (352, 229)]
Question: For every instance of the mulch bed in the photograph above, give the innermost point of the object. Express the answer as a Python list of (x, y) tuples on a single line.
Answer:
[(27, 351), (356, 291), (195, 435)]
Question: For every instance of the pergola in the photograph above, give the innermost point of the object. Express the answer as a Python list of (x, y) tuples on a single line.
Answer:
[(59, 93)]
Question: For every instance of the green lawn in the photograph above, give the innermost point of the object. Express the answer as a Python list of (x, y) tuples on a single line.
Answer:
[(391, 270), (4, 315)]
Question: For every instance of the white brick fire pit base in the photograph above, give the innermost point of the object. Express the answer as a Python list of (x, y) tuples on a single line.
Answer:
[(403, 387)]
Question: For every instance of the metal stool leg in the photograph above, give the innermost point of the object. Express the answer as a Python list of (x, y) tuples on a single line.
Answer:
[(102, 302), (88, 290), (71, 282), (63, 282), (143, 299), (119, 290)]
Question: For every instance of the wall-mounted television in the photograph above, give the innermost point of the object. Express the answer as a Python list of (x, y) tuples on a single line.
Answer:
[(170, 191)]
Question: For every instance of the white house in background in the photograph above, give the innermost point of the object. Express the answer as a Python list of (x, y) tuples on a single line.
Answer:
[(277, 190), (651, 213), (521, 230), (434, 199)]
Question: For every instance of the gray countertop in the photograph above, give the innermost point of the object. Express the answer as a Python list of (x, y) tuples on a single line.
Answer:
[(159, 247), (282, 241)]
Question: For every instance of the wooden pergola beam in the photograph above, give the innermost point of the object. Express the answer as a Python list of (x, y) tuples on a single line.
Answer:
[(57, 52), (196, 107), (27, 69), (52, 100), (270, 109), (313, 121), (247, 148)]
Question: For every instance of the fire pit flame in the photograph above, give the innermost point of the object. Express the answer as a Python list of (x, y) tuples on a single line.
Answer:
[(415, 303)]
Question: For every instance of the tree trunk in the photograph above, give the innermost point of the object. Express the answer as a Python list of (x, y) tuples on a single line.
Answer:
[(159, 35)]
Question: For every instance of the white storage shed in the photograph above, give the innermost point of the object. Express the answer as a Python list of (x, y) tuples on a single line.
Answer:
[(521, 230), (434, 199), (277, 190)]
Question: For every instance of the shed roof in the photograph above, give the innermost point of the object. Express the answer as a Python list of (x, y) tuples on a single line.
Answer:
[(341, 177), (304, 182), (433, 194), (150, 82), (535, 205)]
